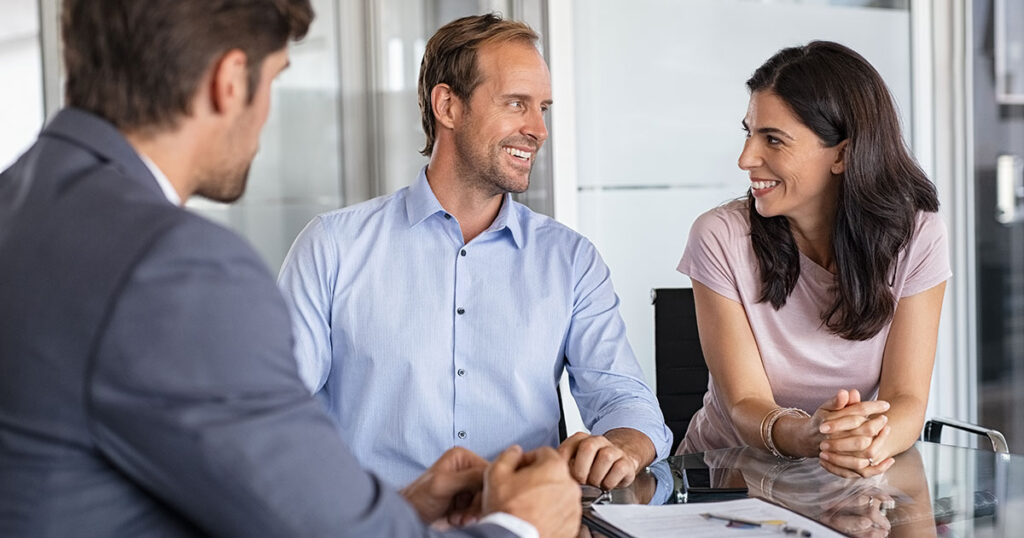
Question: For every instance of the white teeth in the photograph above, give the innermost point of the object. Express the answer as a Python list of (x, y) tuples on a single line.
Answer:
[(758, 185), (518, 153)]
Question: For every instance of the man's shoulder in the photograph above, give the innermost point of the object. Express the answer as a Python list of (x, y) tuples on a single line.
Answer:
[(377, 209), (547, 231), (194, 236)]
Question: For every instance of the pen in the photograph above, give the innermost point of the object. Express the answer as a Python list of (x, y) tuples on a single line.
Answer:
[(785, 529), (731, 519)]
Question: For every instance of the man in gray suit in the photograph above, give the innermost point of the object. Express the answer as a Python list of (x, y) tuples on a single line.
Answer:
[(147, 385)]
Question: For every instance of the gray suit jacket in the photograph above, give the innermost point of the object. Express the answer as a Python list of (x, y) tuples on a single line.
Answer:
[(147, 385)]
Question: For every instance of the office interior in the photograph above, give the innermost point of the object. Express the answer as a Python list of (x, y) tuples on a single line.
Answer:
[(645, 134)]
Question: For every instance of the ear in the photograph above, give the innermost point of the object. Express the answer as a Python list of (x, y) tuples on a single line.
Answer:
[(229, 85), (446, 105), (839, 165)]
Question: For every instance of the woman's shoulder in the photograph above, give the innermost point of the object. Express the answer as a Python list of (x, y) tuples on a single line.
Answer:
[(928, 227), (730, 220)]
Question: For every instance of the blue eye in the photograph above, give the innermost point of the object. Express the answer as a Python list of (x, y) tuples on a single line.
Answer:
[(516, 104)]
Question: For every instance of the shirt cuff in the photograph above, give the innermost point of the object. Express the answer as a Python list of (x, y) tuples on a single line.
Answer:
[(513, 524)]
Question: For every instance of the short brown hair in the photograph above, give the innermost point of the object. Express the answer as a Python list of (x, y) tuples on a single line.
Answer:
[(138, 63), (450, 58)]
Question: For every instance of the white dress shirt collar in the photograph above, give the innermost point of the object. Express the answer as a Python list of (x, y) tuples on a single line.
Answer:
[(161, 179)]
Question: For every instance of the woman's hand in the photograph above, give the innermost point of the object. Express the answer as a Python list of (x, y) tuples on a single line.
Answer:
[(863, 515), (854, 435)]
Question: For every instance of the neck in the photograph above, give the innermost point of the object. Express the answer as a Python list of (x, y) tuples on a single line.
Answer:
[(813, 237), (475, 208), (173, 153)]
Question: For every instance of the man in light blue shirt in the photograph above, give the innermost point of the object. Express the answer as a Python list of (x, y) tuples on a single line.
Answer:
[(444, 314)]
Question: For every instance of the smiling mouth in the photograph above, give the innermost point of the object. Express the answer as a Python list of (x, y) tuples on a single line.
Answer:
[(763, 185), (519, 154)]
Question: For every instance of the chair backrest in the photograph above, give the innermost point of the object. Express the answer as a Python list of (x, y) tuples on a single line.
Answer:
[(682, 374)]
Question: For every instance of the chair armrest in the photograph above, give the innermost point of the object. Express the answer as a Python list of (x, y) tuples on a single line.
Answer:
[(933, 432)]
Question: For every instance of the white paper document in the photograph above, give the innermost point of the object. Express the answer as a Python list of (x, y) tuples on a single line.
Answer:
[(643, 521)]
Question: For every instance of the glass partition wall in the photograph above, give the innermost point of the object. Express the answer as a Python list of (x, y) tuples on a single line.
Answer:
[(997, 49)]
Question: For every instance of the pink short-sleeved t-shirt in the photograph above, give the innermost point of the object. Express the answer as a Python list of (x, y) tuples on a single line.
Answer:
[(805, 362)]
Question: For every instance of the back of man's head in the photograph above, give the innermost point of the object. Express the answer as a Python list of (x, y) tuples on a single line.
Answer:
[(450, 58), (138, 64)]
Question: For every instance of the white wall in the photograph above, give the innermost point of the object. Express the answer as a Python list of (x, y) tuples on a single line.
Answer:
[(21, 79)]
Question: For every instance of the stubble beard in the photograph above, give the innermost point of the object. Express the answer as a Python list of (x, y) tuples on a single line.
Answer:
[(225, 184), (483, 167)]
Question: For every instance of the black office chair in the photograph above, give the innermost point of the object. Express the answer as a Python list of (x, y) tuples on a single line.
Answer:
[(682, 374)]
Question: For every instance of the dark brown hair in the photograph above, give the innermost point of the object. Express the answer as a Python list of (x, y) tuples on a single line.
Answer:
[(839, 95), (450, 58), (138, 63)]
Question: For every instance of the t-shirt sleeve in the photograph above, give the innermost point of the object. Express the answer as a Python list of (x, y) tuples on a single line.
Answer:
[(706, 256), (927, 255)]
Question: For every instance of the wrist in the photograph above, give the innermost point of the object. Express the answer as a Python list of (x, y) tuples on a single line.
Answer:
[(634, 444), (779, 424)]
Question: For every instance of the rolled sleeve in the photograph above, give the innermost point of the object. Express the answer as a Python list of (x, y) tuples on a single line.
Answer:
[(604, 376)]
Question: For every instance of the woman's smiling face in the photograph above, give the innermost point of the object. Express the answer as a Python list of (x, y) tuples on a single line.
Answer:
[(792, 173)]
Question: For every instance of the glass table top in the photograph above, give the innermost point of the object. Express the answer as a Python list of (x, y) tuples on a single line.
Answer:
[(932, 490)]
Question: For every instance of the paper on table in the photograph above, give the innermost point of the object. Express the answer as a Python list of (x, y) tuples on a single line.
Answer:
[(643, 521)]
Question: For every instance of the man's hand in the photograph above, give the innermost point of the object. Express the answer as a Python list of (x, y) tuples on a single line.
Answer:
[(607, 461), (535, 487), (448, 487)]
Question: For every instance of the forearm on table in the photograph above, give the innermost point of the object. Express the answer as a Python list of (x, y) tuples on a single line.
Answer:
[(791, 434), (905, 419)]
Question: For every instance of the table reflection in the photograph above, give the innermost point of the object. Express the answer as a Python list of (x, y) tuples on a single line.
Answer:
[(931, 491)]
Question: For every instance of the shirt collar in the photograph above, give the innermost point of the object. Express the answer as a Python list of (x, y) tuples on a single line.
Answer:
[(161, 179), (421, 203)]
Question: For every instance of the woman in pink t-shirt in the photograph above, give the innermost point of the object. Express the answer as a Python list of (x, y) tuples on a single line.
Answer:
[(818, 296)]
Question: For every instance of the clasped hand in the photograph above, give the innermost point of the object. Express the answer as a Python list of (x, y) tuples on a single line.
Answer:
[(854, 433), (533, 486)]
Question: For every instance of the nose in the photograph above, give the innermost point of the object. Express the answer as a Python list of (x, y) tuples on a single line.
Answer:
[(750, 157), (534, 126)]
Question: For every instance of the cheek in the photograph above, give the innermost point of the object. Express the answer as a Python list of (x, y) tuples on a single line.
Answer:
[(812, 172)]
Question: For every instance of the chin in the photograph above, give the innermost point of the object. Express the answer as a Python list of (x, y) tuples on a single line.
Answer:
[(227, 191), (765, 212)]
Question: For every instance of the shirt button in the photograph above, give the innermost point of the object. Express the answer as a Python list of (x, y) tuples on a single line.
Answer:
[(462, 252), (462, 435), (447, 216), (460, 311), (461, 372)]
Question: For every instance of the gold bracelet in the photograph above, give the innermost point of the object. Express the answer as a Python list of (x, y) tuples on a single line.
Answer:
[(770, 442), (769, 416)]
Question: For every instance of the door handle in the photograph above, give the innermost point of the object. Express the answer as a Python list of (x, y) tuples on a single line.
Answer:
[(1009, 189)]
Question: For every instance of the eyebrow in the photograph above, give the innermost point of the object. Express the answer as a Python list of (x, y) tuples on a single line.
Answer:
[(768, 130), (524, 97)]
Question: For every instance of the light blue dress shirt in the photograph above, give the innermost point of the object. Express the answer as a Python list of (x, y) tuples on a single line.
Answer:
[(417, 342)]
